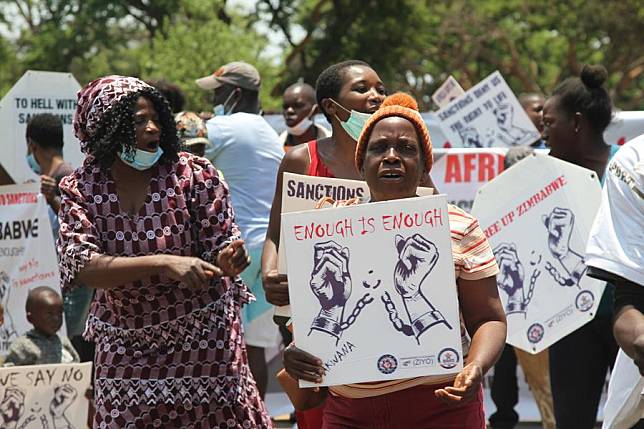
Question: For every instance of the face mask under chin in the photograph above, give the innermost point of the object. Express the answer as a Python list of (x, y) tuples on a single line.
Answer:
[(140, 159)]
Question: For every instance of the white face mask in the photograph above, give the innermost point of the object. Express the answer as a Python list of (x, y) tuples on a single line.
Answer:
[(220, 109), (301, 127), (141, 159)]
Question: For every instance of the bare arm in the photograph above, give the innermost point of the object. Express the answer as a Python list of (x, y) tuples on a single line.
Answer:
[(484, 319), (107, 272), (485, 322), (275, 284), (629, 330)]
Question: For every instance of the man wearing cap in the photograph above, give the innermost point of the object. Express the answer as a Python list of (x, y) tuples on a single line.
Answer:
[(248, 152)]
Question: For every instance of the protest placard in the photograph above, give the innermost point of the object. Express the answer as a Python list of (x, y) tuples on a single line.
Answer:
[(45, 396), (460, 172), (27, 255), (301, 192), (384, 268), (448, 91), (36, 92), (486, 115), (538, 225)]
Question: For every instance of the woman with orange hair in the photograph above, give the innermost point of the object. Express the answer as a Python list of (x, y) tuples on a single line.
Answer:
[(393, 153)]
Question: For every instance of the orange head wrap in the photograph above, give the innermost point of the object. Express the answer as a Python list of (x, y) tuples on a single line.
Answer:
[(404, 106)]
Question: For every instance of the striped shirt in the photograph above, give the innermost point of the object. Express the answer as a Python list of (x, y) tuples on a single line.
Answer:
[(473, 260)]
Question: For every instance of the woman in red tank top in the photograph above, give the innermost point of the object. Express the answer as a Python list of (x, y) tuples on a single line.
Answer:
[(343, 92)]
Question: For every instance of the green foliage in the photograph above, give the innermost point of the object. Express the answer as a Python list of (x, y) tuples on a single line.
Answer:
[(196, 44), (413, 44)]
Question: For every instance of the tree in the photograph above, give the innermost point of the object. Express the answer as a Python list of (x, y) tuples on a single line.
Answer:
[(196, 42), (415, 45)]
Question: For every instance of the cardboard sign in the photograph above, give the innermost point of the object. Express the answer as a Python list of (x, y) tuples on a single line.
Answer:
[(373, 291), (459, 173), (36, 92), (301, 192), (45, 396), (486, 115), (448, 91), (27, 256), (537, 216)]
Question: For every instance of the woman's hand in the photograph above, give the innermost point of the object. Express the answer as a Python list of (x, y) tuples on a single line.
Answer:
[(466, 386), (191, 271), (276, 288), (302, 365), (233, 259)]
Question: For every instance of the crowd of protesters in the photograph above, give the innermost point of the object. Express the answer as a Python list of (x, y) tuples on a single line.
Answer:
[(168, 237)]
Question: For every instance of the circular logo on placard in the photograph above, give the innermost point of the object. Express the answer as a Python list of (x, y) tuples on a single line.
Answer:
[(387, 364), (535, 333), (448, 358), (585, 300)]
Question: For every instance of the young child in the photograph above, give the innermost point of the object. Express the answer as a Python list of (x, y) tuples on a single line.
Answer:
[(42, 344)]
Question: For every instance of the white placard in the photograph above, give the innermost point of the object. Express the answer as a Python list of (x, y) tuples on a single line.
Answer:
[(36, 92), (448, 91), (27, 256), (45, 396), (373, 290), (537, 217), (488, 114), (301, 192), (460, 172)]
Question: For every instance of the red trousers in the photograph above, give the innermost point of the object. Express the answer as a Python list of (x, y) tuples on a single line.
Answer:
[(416, 408), (310, 419)]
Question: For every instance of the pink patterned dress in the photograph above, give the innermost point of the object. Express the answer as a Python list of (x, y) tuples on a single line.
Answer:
[(166, 355)]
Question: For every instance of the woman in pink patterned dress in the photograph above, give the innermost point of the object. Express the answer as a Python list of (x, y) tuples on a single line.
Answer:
[(152, 229)]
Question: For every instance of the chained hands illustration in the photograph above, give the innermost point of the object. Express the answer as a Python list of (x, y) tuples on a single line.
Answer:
[(331, 284), (417, 257), (560, 223), (64, 396), (12, 407), (511, 276)]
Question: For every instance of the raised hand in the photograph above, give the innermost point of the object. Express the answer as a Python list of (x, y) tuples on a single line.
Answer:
[(12, 407), (417, 257), (511, 275), (559, 223), (48, 187), (233, 259)]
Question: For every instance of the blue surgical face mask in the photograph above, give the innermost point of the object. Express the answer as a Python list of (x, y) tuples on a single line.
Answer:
[(220, 109), (141, 159), (354, 125), (33, 164)]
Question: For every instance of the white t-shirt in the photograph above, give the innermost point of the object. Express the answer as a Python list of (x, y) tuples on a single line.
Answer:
[(616, 242), (248, 153)]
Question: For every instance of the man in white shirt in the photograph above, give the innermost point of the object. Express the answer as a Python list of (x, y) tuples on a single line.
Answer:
[(248, 153), (615, 253)]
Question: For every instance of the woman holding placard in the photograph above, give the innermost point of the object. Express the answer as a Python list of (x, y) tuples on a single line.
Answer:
[(152, 230), (393, 154), (575, 117)]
